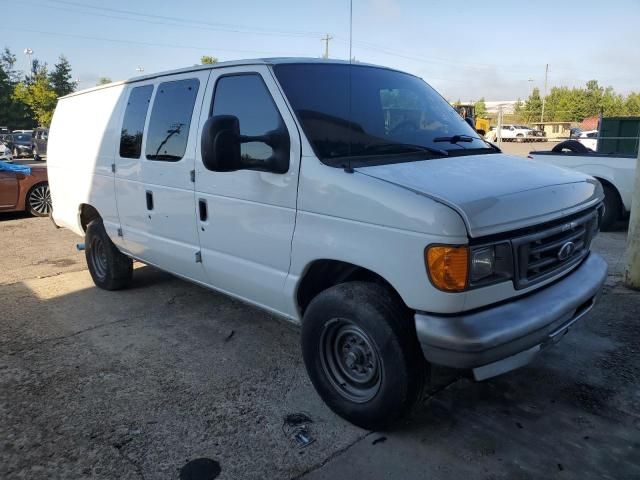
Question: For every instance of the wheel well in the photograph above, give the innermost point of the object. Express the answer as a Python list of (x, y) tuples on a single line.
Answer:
[(613, 187), (87, 215), (323, 274)]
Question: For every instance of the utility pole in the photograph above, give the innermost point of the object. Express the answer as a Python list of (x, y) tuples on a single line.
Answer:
[(326, 39), (28, 52), (544, 96), (499, 126), (632, 270)]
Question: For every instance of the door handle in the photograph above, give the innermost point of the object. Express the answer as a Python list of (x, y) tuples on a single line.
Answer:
[(149, 200), (202, 208)]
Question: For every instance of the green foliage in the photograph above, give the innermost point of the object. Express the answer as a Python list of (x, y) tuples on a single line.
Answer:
[(60, 77), (532, 108), (28, 100), (564, 104), (103, 81), (480, 108), (208, 60), (38, 95), (13, 113)]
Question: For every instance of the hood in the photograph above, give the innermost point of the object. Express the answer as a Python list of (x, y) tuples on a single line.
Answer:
[(495, 193)]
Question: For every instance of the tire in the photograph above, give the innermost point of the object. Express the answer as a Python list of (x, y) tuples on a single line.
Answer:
[(362, 355), (110, 269), (38, 200), (612, 208), (519, 138), (571, 145), (36, 157)]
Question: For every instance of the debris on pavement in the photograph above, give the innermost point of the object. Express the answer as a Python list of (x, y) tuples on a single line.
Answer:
[(296, 426)]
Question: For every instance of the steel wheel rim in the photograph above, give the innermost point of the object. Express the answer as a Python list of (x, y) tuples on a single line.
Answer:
[(98, 257), (40, 200), (350, 360)]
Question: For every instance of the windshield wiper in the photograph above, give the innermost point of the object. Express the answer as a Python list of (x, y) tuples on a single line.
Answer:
[(455, 139), (385, 147)]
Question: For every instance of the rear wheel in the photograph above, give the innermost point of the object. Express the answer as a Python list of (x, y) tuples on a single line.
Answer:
[(612, 208), (109, 268), (519, 138), (35, 154), (362, 355), (38, 201)]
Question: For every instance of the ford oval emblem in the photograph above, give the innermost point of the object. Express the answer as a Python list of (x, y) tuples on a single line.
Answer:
[(566, 251)]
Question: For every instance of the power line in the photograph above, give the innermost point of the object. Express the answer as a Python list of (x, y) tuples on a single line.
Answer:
[(175, 21), (148, 44)]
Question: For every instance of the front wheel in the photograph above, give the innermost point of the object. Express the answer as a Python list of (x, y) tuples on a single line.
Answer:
[(38, 201), (362, 354), (110, 269)]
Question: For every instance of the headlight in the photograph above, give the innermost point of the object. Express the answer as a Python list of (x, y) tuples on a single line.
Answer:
[(454, 268), (482, 263), (490, 264)]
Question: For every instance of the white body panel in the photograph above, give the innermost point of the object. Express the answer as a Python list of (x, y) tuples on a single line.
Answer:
[(246, 239), (80, 154), (619, 171), (263, 230), (167, 235)]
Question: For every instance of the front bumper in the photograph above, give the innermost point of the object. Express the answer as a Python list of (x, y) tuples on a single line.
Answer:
[(504, 337)]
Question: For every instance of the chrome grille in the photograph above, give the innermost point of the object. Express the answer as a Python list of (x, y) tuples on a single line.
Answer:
[(550, 251)]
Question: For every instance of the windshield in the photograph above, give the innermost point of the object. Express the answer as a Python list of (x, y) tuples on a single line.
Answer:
[(21, 137), (391, 113)]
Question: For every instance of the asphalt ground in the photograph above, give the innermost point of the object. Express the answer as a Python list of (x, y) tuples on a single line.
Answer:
[(144, 382)]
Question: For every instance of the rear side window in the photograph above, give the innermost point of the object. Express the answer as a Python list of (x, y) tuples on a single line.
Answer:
[(246, 97), (170, 120), (133, 123)]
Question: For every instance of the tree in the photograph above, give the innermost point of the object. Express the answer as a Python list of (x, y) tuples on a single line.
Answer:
[(60, 77), (38, 95), (208, 60), (532, 107), (13, 113), (104, 81), (480, 108)]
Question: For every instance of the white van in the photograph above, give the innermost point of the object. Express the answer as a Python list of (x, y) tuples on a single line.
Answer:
[(352, 199)]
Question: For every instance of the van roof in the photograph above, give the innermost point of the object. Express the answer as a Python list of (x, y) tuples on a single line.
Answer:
[(232, 63)]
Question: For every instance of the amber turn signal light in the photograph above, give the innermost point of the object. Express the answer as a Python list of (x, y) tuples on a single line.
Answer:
[(448, 267)]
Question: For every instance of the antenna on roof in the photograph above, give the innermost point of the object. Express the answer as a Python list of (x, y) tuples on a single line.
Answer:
[(348, 168), (350, 29)]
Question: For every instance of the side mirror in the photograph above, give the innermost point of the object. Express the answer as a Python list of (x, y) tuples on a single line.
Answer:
[(220, 144), (221, 141)]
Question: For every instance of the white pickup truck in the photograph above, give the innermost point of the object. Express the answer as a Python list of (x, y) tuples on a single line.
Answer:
[(616, 173)]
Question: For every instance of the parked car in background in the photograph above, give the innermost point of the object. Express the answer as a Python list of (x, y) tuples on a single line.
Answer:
[(516, 133), (5, 152), (24, 191), (394, 236), (616, 173), (4, 130), (39, 141), (21, 144), (538, 135), (589, 139)]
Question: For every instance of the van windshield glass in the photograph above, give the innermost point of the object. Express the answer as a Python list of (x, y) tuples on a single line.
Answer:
[(391, 114)]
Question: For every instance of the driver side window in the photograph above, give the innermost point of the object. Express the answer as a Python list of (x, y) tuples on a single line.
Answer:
[(246, 96)]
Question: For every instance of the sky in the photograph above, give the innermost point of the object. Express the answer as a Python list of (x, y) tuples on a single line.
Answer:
[(465, 49)]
